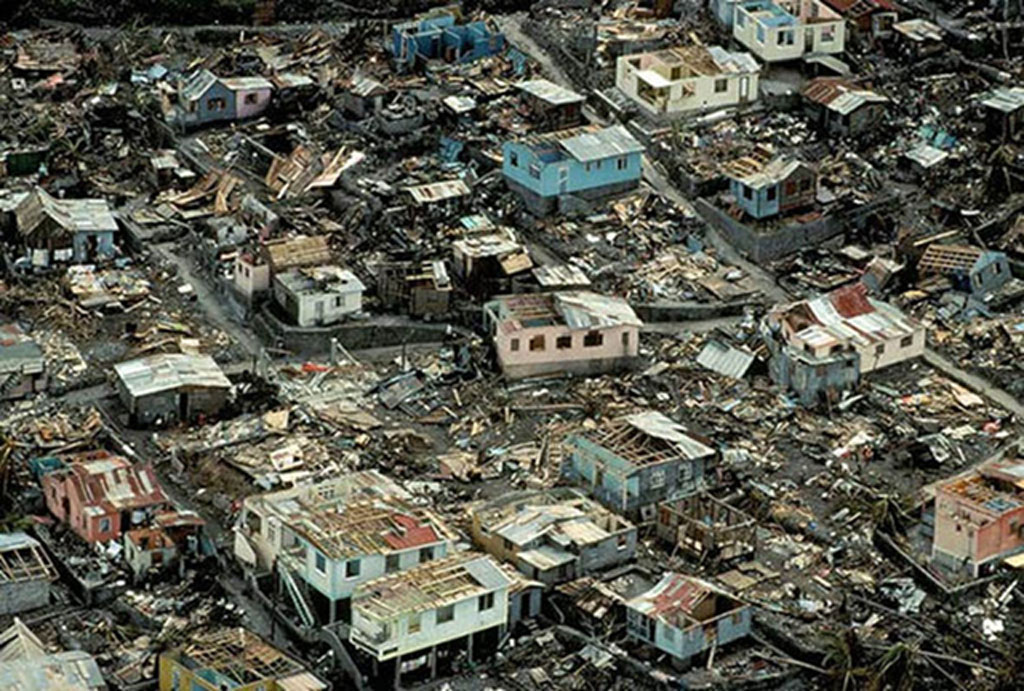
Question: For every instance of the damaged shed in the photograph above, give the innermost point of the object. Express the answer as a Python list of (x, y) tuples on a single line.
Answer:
[(168, 388)]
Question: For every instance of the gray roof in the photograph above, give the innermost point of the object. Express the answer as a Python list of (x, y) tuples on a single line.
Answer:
[(593, 146), (550, 92), (730, 61), (1005, 99), (246, 83), (732, 362), (320, 279), (487, 573), (18, 352), (659, 425), (584, 310), (197, 85), (158, 373), (75, 670), (10, 541)]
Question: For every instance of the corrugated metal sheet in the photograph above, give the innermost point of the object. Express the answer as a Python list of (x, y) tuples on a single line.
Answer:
[(550, 92), (166, 372), (727, 360), (592, 146), (661, 426)]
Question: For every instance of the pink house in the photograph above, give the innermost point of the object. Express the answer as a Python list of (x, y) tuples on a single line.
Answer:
[(575, 332), (979, 517), (100, 496)]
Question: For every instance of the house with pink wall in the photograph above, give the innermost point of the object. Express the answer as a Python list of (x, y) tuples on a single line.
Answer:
[(979, 517), (576, 332), (100, 496)]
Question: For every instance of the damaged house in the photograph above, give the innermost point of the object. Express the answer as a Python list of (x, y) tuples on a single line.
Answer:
[(767, 189), (487, 262), (170, 388), (236, 659), (25, 574), (22, 365), (55, 230), (685, 617), (781, 30), (101, 496), (27, 665), (706, 528), (553, 536), (632, 463), (441, 37), (254, 270), (586, 163), (1004, 114), (687, 79), (839, 107), (204, 98), (971, 270), (548, 106), (822, 346), (872, 19), (419, 289), (319, 295), (571, 332), (333, 536), (979, 518), (422, 618)]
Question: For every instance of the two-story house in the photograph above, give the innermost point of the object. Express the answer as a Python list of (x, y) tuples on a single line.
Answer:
[(318, 295), (421, 618), (781, 30), (632, 463), (688, 79), (548, 106), (585, 162), (553, 535), (576, 332), (333, 536), (442, 37)]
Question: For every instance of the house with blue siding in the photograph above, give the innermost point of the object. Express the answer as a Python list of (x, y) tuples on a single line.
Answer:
[(586, 162), (441, 37), (971, 270), (205, 98), (52, 230), (632, 463), (763, 189), (332, 536), (685, 616)]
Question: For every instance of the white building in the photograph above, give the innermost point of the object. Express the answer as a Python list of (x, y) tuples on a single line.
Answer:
[(687, 79), (779, 30), (417, 617), (318, 296)]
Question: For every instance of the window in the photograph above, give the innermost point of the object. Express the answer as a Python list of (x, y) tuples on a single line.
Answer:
[(721, 86), (537, 343), (791, 187), (760, 34), (104, 525), (586, 167), (392, 563), (252, 99), (593, 339), (513, 159), (514, 347), (805, 184), (786, 38), (773, 192), (508, 544), (426, 554), (320, 563), (677, 72), (625, 339), (997, 268), (485, 602), (563, 342), (535, 171), (622, 541), (175, 679), (597, 164), (622, 163), (741, 19), (415, 623), (748, 193), (352, 568), (879, 349), (339, 300), (216, 104), (828, 34), (907, 341), (657, 478), (445, 614)]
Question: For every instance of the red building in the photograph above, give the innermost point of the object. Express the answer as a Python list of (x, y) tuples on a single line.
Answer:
[(100, 495)]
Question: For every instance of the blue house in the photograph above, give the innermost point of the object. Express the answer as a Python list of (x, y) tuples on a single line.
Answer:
[(586, 162), (441, 38), (55, 230), (766, 189), (685, 616), (206, 98), (971, 270)]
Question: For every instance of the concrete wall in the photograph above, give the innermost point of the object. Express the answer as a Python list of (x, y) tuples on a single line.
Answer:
[(310, 308), (251, 102), (163, 407), (990, 272), (251, 278), (703, 94), (516, 356), (780, 43), (961, 541), (24, 595)]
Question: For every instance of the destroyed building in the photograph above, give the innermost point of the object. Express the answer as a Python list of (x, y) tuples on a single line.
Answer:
[(422, 617), (165, 389), (632, 463), (821, 347), (841, 108), (443, 37), (25, 663), (553, 536), (318, 296), (707, 528), (979, 518), (971, 270), (26, 573), (688, 78), (487, 262), (100, 496), (417, 289), (334, 535), (781, 30), (22, 364), (1004, 113), (569, 332), (233, 658), (867, 19), (545, 170), (254, 270), (52, 230), (550, 107), (685, 616)]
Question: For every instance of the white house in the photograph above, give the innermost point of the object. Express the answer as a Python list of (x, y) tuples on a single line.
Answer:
[(318, 296), (687, 79), (419, 616), (779, 30)]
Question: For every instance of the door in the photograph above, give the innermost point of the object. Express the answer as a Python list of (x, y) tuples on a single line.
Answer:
[(563, 180), (809, 41), (320, 312), (183, 406), (744, 89)]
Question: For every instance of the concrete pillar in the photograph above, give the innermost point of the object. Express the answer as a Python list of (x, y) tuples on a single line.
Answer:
[(469, 648), (398, 673), (433, 662)]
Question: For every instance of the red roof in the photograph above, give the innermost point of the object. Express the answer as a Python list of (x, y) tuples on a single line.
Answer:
[(853, 9), (410, 533), (851, 300), (114, 484), (684, 594)]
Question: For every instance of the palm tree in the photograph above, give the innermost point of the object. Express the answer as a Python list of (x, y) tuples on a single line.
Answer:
[(894, 670), (842, 659)]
